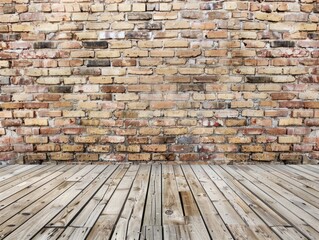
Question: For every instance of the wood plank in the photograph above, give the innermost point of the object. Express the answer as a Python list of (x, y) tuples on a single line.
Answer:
[(176, 232), (32, 202), (17, 170), (20, 185), (291, 186), (296, 183), (75, 206), (260, 229), (311, 168), (292, 213), (303, 170), (287, 191), (129, 224), (294, 175), (288, 233), (172, 211), (237, 226), (17, 174), (214, 223), (302, 174), (152, 233), (49, 234), (72, 233), (47, 177), (152, 221), (105, 223), (31, 227), (90, 213), (270, 217), (194, 222), (6, 168)]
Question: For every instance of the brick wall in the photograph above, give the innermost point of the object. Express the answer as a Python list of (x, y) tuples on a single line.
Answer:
[(116, 80)]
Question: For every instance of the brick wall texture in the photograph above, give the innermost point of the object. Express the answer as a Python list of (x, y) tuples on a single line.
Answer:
[(159, 80)]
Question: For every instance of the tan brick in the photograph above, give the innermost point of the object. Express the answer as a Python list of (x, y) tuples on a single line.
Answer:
[(154, 148), (290, 122), (289, 139), (36, 139), (272, 17), (139, 157), (72, 148), (99, 148), (175, 131), (61, 156), (85, 139), (176, 44), (73, 113), (36, 122)]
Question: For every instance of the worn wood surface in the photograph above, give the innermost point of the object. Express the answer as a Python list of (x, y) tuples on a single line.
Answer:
[(159, 202)]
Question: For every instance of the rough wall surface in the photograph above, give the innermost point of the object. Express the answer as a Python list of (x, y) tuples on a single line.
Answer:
[(116, 80)]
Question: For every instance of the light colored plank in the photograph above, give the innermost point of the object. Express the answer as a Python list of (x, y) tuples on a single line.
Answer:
[(35, 223), (49, 234), (152, 221), (290, 186), (302, 174), (266, 213), (152, 233), (105, 223), (8, 168), (260, 229), (20, 185), (176, 232), (17, 174), (214, 223), (288, 233), (294, 175), (172, 211), (135, 222), (16, 171), (47, 177), (303, 171), (73, 208), (128, 225), (32, 202), (279, 204), (90, 213), (194, 221), (312, 168), (283, 190), (72, 233), (296, 183)]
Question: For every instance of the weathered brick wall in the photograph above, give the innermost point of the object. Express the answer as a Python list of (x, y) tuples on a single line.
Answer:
[(120, 80)]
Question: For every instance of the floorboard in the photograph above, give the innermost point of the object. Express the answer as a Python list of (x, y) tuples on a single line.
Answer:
[(159, 201)]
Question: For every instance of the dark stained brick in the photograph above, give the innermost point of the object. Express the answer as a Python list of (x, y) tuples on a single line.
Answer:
[(98, 63), (95, 44)]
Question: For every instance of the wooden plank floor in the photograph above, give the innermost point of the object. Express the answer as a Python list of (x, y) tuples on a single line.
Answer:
[(159, 202)]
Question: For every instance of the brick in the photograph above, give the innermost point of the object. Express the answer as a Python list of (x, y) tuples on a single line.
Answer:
[(282, 96), (72, 148), (290, 122), (36, 139), (36, 122), (275, 147), (289, 139), (85, 139), (267, 157), (61, 156), (139, 157)]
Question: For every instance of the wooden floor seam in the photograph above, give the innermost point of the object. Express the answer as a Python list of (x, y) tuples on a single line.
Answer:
[(159, 201)]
